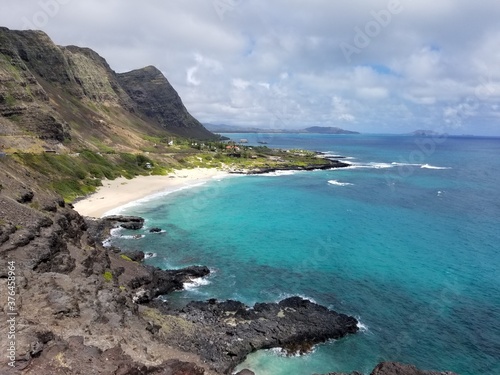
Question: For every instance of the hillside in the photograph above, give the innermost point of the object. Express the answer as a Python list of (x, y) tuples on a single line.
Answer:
[(68, 98), (328, 130)]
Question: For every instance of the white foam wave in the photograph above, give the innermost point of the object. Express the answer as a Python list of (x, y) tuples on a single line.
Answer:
[(380, 165), (361, 326), (196, 283), (375, 165), (372, 165), (338, 183), (329, 155), (288, 295), (133, 237), (427, 166), (115, 232), (279, 173), (406, 164), (150, 255), (280, 352)]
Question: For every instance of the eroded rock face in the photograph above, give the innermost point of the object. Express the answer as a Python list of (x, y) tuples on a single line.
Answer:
[(158, 100), (52, 97), (72, 356)]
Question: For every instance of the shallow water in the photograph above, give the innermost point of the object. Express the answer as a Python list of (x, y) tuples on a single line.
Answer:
[(406, 240)]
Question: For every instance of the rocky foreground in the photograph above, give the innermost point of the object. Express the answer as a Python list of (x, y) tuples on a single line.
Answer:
[(77, 307)]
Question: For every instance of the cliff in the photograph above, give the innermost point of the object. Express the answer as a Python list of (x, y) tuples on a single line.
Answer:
[(67, 98), (157, 99)]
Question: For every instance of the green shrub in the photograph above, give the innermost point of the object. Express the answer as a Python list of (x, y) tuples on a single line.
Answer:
[(108, 276)]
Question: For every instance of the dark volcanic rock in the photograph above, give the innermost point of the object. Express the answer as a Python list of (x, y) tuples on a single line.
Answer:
[(224, 333), (25, 196), (159, 282), (394, 368), (158, 100), (127, 222), (74, 357), (155, 230), (136, 256), (328, 164)]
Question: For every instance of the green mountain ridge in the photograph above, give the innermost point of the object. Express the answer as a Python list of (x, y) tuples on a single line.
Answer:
[(68, 98)]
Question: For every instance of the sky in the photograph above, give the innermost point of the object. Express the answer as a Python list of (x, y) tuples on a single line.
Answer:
[(388, 66)]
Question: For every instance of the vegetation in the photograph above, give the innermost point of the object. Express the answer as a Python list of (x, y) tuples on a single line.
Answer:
[(80, 174), (108, 276)]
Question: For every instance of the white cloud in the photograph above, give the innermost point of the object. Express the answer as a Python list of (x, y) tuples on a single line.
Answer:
[(279, 63)]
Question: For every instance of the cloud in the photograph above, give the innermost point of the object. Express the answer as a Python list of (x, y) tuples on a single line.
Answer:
[(280, 63)]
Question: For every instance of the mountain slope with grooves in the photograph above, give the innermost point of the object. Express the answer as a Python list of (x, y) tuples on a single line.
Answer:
[(158, 100), (68, 98)]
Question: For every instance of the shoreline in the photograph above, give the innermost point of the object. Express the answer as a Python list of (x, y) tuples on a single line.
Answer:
[(119, 192)]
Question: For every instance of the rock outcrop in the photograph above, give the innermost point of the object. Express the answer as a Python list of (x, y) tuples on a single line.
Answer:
[(224, 333), (157, 99)]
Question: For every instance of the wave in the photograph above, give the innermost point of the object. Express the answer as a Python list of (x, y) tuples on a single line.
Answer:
[(427, 166), (196, 283), (150, 255), (338, 183), (133, 237), (372, 165), (361, 326), (280, 352), (278, 173), (284, 296), (375, 165), (405, 164)]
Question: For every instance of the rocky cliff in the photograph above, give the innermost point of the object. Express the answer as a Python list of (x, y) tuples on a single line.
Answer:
[(54, 97), (157, 99)]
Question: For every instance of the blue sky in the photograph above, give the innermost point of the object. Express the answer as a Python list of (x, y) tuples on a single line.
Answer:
[(373, 66)]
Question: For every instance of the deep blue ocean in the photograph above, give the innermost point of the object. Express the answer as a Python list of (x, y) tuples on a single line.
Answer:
[(407, 240)]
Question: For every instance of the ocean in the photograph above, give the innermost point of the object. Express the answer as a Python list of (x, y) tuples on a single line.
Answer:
[(406, 239)]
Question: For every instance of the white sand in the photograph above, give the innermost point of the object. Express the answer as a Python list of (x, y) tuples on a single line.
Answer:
[(118, 192)]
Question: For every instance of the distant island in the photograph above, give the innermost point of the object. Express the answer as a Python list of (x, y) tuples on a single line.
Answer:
[(223, 128), (425, 133)]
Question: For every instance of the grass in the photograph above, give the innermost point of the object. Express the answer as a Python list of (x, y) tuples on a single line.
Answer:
[(123, 256), (77, 175), (73, 176), (108, 276)]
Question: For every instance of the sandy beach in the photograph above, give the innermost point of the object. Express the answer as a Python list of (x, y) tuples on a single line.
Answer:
[(118, 192)]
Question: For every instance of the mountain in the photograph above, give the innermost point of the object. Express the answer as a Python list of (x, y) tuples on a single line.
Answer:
[(221, 128), (328, 130), (54, 97), (157, 99), (424, 133)]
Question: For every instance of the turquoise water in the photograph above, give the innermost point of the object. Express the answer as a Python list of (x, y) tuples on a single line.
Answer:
[(406, 240)]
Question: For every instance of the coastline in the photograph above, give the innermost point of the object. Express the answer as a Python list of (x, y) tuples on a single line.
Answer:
[(121, 191)]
